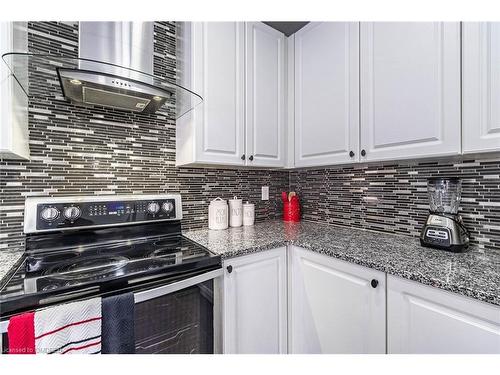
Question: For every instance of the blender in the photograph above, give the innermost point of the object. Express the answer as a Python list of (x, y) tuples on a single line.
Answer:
[(444, 228)]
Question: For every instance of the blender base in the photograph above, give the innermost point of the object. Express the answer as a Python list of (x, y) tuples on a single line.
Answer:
[(445, 232)]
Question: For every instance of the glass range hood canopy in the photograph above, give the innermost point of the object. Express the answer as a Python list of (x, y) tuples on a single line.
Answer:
[(88, 82)]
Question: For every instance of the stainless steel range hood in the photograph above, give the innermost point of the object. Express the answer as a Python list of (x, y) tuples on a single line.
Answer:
[(117, 44), (114, 70)]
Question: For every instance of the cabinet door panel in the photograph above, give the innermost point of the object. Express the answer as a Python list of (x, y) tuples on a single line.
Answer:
[(219, 56), (481, 86), (265, 95), (255, 304), (410, 89), (333, 307), (423, 319), (326, 93)]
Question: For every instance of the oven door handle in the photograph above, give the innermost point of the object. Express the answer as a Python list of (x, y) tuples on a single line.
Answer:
[(156, 292), (174, 287)]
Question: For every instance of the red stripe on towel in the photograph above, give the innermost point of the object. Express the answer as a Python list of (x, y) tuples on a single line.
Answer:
[(21, 334), (81, 347), (66, 326)]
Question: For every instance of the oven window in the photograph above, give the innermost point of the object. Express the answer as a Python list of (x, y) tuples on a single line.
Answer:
[(177, 323)]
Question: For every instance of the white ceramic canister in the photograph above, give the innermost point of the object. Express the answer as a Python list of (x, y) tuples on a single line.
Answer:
[(217, 214), (248, 214), (235, 212)]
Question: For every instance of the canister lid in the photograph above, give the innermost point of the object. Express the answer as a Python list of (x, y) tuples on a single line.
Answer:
[(218, 201)]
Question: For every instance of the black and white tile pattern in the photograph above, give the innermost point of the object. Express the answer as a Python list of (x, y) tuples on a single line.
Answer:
[(393, 197), (86, 151), (77, 151)]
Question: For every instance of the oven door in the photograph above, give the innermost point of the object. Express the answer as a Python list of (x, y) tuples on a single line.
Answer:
[(180, 318), (183, 317)]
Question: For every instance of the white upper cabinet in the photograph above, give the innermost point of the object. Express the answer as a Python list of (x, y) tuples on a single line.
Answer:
[(265, 96), (212, 63), (13, 100), (410, 89), (334, 307), (326, 93), (425, 320), (239, 70), (481, 86), (255, 303)]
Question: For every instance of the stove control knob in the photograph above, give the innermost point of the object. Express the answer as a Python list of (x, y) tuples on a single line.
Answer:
[(153, 208), (168, 207), (49, 213), (72, 213)]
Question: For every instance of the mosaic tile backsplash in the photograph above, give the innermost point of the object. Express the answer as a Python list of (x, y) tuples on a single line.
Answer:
[(86, 151), (393, 197), (78, 151)]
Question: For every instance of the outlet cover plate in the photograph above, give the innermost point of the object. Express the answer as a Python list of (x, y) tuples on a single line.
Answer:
[(265, 193)]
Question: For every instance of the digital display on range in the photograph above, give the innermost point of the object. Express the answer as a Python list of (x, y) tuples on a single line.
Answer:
[(115, 206)]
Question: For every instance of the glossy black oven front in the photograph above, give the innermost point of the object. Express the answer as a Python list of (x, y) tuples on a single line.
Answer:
[(178, 323)]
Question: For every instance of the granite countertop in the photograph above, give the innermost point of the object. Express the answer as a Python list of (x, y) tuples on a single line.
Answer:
[(473, 274), (9, 260)]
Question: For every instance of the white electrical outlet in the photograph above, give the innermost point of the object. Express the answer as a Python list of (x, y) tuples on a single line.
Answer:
[(265, 193)]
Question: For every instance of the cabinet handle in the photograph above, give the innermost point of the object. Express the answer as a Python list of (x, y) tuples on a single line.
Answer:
[(363, 153), (374, 283), (351, 154), (243, 157), (229, 269), (250, 158)]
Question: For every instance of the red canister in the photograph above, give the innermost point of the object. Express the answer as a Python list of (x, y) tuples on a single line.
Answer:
[(291, 210)]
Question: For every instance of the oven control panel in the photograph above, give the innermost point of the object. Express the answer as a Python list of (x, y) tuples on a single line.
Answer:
[(80, 212)]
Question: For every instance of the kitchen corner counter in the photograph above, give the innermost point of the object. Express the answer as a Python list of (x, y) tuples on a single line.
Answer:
[(9, 261), (473, 274)]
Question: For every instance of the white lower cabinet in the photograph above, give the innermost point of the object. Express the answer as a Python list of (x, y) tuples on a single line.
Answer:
[(334, 306), (423, 319), (255, 303), (294, 300)]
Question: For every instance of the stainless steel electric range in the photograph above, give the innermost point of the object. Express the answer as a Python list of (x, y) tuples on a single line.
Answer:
[(82, 247)]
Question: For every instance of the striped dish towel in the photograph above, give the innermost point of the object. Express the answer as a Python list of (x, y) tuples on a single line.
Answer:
[(70, 328)]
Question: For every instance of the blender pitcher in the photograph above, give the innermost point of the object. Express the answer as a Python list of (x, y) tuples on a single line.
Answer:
[(444, 195)]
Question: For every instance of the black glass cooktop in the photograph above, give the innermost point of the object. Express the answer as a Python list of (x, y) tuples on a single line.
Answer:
[(60, 266)]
